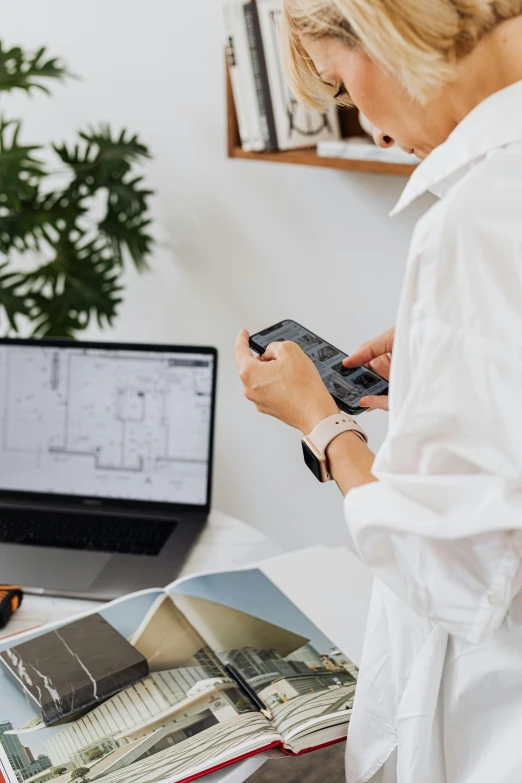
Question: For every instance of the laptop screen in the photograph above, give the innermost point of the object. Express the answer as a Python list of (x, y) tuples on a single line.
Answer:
[(122, 423)]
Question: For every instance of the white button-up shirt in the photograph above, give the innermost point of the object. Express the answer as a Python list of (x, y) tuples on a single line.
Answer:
[(440, 691)]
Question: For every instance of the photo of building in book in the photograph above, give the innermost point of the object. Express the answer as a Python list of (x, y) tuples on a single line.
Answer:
[(189, 712), (187, 696), (281, 666), (161, 711), (298, 675), (21, 757)]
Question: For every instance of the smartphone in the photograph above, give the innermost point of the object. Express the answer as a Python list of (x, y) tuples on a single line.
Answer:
[(347, 386)]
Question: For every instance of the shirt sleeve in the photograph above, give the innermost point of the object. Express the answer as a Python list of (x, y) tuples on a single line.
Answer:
[(442, 527)]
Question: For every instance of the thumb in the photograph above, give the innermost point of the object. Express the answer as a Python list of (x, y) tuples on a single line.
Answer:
[(374, 403), (371, 350)]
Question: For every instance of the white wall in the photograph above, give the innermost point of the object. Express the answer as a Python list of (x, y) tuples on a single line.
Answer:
[(241, 243)]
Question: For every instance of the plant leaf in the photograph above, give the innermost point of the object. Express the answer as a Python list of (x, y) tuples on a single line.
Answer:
[(77, 276), (27, 71), (20, 172), (81, 281), (12, 298), (105, 161), (36, 218), (104, 158), (130, 233)]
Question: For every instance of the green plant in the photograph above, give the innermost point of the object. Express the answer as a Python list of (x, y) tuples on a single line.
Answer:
[(80, 774), (62, 262), (95, 754), (59, 771)]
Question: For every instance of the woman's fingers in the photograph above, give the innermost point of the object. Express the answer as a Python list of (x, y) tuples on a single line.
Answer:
[(374, 403), (246, 363), (381, 365), (277, 349), (242, 347), (371, 350)]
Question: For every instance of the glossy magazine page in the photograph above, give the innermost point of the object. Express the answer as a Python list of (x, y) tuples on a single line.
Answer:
[(189, 716), (7, 774), (301, 676), (185, 718)]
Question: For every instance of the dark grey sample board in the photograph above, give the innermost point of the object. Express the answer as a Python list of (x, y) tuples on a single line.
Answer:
[(75, 667)]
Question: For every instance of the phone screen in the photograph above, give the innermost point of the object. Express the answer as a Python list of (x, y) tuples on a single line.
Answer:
[(348, 386)]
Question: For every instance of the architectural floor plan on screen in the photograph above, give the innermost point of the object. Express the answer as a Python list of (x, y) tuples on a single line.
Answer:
[(105, 423)]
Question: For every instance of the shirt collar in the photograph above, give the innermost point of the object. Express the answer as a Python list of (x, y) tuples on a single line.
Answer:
[(495, 122)]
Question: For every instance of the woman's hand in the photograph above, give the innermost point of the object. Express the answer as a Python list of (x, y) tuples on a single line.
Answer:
[(284, 383), (376, 355)]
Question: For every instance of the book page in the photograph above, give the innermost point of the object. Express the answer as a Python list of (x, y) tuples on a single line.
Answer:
[(7, 774), (186, 717), (332, 587), (294, 668)]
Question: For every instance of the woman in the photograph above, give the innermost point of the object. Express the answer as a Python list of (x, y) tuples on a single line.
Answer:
[(437, 514)]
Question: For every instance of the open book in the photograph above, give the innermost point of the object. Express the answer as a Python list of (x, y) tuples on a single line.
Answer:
[(190, 715)]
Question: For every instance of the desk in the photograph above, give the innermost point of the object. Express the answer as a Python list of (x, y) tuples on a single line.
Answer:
[(225, 543), (329, 584)]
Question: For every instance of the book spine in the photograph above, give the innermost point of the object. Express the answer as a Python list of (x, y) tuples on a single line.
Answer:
[(235, 79), (269, 20), (244, 68), (262, 85)]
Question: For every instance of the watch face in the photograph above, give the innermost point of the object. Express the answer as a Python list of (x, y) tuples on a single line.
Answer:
[(312, 462)]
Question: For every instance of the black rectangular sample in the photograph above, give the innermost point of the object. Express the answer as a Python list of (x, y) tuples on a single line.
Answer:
[(75, 667)]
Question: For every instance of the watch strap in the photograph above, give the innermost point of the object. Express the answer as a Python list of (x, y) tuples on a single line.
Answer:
[(328, 429)]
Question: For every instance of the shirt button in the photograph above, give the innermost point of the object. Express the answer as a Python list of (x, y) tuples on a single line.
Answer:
[(496, 599)]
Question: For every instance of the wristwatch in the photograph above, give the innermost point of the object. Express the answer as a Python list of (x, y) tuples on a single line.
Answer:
[(315, 444)]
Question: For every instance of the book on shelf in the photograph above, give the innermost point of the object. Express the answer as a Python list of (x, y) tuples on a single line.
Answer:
[(259, 68), (242, 78), (205, 672), (363, 148), (262, 96)]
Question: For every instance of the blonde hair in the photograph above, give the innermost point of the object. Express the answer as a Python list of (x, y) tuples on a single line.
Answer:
[(419, 40)]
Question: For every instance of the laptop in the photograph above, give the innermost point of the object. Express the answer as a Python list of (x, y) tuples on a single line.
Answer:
[(105, 463)]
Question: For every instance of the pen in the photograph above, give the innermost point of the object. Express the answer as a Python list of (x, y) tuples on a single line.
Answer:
[(252, 695)]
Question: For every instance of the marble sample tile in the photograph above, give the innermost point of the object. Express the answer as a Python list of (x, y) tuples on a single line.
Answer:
[(74, 667)]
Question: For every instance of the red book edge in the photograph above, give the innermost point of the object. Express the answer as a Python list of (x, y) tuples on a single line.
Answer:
[(232, 761), (237, 759), (252, 753)]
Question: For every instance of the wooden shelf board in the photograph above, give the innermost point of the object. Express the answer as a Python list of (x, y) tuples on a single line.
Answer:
[(309, 157)]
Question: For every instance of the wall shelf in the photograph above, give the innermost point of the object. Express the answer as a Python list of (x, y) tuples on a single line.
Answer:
[(309, 157)]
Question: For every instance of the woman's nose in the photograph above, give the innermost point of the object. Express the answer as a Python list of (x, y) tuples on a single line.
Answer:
[(382, 139)]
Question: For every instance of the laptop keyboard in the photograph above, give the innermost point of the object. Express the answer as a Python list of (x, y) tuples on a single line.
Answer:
[(100, 533)]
